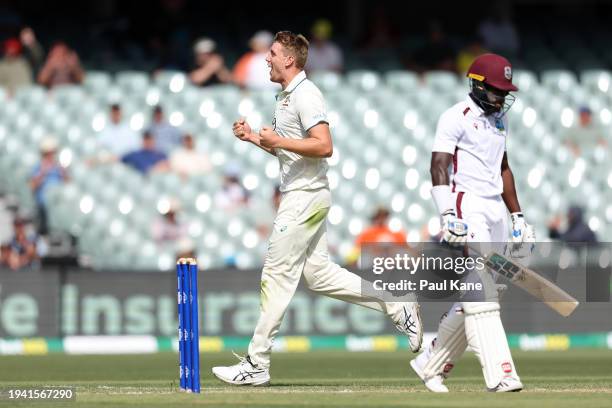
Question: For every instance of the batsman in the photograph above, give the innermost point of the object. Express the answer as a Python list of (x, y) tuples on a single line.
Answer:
[(473, 203)]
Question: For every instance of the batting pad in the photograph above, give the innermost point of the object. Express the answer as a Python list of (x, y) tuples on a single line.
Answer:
[(448, 346), (487, 338)]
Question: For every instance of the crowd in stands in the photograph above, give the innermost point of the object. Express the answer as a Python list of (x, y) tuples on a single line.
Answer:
[(162, 147), (24, 62)]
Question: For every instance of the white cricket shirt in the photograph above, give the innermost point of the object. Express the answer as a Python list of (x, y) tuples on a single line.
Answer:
[(299, 107), (477, 143)]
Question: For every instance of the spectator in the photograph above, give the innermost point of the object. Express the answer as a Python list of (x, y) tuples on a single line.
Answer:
[(15, 71), (167, 137), (61, 67), (168, 227), (436, 54), (210, 67), (577, 229), (232, 195), (323, 54), (468, 54), (23, 252), (586, 134), (147, 158), (499, 33), (32, 49), (117, 137), (46, 174), (186, 161), (378, 232), (251, 70)]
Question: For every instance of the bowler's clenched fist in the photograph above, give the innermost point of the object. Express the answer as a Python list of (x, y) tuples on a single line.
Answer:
[(269, 138), (242, 130)]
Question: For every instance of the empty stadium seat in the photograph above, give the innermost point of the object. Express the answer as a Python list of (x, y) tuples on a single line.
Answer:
[(363, 80), (558, 80), (402, 81), (442, 81), (326, 80), (132, 81)]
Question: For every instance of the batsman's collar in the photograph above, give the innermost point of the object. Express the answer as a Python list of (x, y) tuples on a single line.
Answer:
[(474, 109), (298, 79)]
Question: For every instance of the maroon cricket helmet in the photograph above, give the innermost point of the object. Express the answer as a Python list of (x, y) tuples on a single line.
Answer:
[(494, 70)]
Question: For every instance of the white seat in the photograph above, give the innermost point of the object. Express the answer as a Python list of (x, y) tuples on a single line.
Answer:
[(402, 81), (559, 80)]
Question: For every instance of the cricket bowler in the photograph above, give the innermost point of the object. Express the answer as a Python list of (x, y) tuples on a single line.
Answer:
[(301, 139), (471, 136)]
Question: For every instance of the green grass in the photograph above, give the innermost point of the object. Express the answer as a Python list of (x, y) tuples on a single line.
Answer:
[(316, 379)]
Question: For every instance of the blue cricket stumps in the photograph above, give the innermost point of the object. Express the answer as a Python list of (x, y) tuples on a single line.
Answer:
[(189, 335), (181, 325), (195, 327)]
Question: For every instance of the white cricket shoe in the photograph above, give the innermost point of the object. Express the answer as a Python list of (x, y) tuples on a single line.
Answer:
[(508, 384), (408, 321), (243, 373), (433, 384)]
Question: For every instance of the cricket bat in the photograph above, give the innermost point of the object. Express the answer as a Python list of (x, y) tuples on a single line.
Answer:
[(531, 282)]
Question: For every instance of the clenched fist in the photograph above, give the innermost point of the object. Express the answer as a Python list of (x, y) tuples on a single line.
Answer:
[(269, 138), (242, 130)]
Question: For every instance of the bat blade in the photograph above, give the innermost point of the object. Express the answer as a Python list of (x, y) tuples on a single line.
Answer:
[(530, 281)]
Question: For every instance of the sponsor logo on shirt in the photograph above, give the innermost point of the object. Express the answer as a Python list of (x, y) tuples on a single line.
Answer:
[(499, 124)]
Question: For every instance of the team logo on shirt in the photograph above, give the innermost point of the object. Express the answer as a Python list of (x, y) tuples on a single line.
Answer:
[(475, 125), (508, 73), (286, 101)]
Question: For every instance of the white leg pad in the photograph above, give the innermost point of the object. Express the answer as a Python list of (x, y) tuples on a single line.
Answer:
[(487, 338), (448, 346)]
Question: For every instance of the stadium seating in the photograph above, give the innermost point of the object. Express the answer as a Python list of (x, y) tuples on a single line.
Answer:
[(383, 126)]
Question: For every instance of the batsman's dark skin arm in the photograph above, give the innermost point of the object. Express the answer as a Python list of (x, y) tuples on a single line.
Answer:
[(439, 168), (509, 195)]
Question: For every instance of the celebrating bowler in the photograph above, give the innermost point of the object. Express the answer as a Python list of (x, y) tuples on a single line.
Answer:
[(301, 139)]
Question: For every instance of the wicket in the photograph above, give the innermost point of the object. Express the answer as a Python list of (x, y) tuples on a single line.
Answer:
[(188, 325)]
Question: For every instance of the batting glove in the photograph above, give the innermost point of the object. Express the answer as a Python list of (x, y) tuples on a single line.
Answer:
[(454, 230), (523, 236)]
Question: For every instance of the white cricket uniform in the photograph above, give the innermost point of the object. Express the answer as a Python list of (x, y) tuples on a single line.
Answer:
[(298, 243), (477, 143), (299, 107)]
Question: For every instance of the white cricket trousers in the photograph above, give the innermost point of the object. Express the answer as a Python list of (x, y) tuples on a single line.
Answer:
[(298, 244), (476, 324)]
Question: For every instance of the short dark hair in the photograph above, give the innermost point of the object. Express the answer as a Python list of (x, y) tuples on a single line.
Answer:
[(158, 109), (115, 107), (296, 44)]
